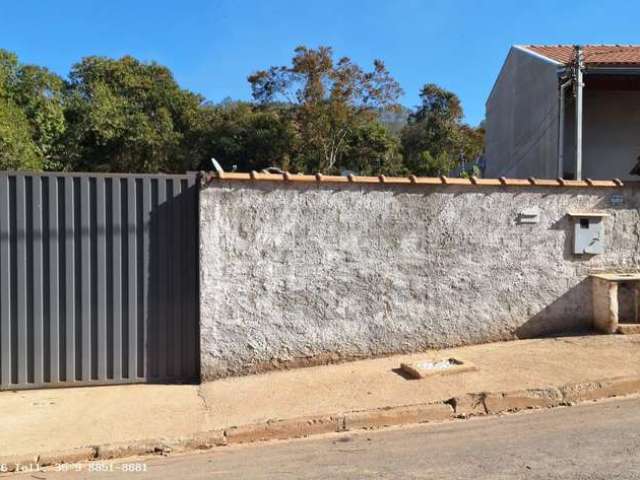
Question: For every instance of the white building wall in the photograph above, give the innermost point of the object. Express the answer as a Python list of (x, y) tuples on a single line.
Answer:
[(611, 134), (522, 118), (302, 274)]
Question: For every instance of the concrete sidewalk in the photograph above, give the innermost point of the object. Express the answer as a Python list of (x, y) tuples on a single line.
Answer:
[(103, 422)]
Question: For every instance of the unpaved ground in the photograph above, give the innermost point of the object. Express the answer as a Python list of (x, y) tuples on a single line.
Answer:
[(42, 421), (590, 441)]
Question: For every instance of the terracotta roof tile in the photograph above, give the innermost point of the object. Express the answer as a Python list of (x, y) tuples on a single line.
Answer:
[(593, 54), (286, 177)]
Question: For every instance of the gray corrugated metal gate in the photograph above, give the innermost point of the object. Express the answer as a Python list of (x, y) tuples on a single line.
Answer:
[(98, 279)]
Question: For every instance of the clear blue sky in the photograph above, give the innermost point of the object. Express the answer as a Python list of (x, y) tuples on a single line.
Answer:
[(212, 46)]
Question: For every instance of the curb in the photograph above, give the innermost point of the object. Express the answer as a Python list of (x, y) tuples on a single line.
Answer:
[(464, 406), (283, 429)]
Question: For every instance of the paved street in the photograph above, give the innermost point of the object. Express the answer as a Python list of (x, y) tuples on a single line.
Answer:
[(593, 441)]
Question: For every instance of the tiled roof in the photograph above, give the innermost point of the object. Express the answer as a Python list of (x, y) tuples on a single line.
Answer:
[(287, 177), (593, 54)]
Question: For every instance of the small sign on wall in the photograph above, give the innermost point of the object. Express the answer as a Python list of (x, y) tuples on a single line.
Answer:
[(616, 200), (529, 215)]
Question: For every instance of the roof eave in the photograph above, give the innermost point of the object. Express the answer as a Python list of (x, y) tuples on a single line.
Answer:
[(521, 48), (524, 48), (613, 69)]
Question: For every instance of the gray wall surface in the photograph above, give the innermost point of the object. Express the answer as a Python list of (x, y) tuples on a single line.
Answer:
[(295, 274), (522, 119), (98, 279), (611, 133)]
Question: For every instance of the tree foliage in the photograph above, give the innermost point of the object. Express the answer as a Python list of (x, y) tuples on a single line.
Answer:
[(243, 137), (331, 100), (372, 150), (126, 115), (31, 115), (435, 140), (317, 114), (18, 151)]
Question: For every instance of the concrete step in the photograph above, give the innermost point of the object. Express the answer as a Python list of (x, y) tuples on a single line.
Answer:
[(629, 328)]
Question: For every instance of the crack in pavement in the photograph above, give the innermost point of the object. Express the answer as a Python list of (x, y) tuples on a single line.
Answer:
[(203, 399)]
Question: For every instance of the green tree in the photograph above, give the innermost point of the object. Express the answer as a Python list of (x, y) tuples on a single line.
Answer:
[(243, 137), (31, 114), (17, 148), (126, 115), (8, 72), (472, 141), (40, 94), (435, 140), (372, 150), (330, 101)]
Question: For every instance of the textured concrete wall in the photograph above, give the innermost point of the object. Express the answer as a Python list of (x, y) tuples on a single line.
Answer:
[(522, 119), (301, 274)]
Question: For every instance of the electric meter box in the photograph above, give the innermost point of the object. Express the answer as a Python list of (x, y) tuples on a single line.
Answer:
[(588, 232)]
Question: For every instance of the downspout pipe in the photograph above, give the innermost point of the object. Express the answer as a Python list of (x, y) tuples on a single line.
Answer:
[(563, 88), (578, 92)]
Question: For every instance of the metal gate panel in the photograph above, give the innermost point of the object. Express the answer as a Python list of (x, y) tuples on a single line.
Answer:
[(98, 279)]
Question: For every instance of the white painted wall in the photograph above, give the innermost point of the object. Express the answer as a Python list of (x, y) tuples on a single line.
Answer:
[(522, 125), (297, 275), (611, 134), (522, 118)]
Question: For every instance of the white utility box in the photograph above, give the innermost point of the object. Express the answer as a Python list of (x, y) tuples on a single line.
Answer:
[(588, 232)]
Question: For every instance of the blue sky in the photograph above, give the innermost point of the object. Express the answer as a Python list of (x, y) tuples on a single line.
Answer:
[(211, 46)]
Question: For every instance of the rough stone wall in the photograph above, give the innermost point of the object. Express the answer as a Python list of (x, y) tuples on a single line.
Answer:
[(298, 274)]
